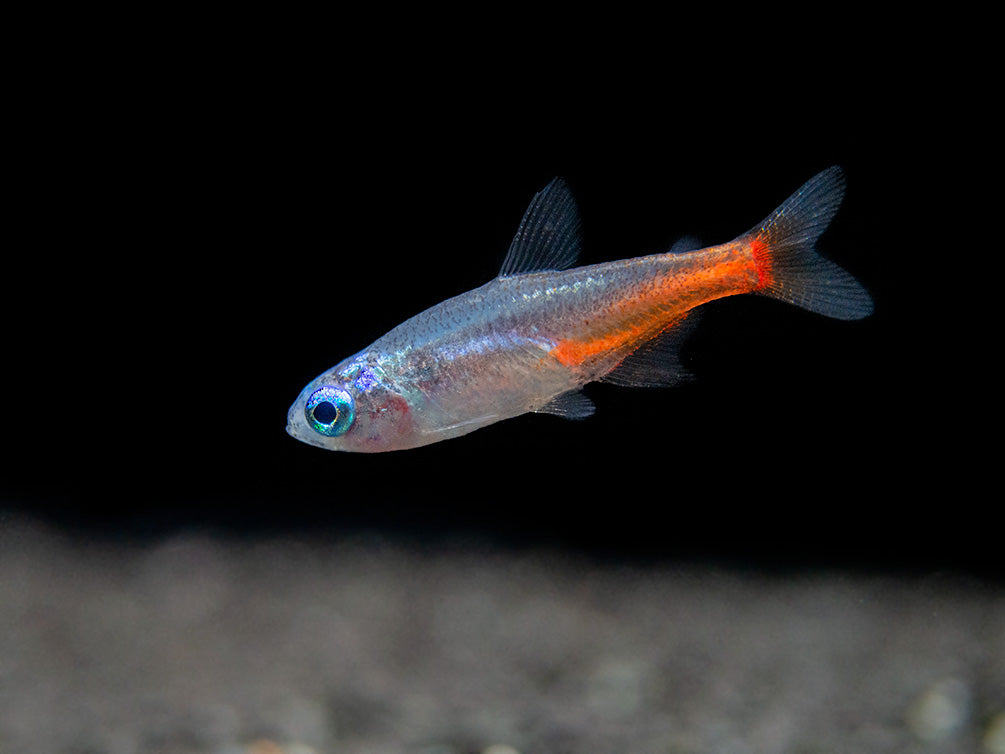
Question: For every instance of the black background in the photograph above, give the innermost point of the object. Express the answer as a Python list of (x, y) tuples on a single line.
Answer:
[(223, 233)]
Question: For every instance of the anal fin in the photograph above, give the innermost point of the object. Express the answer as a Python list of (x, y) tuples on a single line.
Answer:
[(657, 362), (570, 405)]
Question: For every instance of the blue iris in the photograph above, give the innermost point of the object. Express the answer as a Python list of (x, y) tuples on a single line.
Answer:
[(330, 411)]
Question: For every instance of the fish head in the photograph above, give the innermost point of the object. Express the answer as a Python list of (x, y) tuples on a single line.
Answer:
[(352, 407)]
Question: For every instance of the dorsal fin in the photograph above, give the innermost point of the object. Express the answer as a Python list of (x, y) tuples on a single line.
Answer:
[(548, 236)]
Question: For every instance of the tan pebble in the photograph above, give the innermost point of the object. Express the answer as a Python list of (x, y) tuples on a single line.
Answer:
[(994, 737)]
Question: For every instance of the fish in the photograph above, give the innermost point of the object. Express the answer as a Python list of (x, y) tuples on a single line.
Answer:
[(531, 338)]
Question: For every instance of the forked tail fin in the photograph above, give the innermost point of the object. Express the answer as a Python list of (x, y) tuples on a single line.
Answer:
[(788, 265)]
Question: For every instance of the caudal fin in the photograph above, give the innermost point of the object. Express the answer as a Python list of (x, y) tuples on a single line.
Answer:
[(789, 267)]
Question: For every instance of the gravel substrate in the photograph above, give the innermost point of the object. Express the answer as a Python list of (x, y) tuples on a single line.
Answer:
[(199, 644)]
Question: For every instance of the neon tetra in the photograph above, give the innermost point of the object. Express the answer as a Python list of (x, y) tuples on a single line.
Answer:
[(531, 338)]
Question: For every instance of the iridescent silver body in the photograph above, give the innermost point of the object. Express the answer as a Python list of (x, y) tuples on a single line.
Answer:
[(488, 354), (531, 338)]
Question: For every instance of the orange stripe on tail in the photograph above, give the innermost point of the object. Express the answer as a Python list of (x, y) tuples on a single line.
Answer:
[(572, 352)]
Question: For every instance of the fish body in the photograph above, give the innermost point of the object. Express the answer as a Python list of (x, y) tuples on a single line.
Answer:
[(530, 339)]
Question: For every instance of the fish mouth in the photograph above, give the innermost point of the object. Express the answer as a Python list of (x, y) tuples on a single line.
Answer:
[(306, 437), (291, 426)]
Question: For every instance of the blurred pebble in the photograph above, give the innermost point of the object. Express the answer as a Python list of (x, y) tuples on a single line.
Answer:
[(301, 719), (500, 749), (265, 746), (994, 737), (940, 710), (616, 688)]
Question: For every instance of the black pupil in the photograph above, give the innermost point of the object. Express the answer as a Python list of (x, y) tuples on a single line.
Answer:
[(326, 412)]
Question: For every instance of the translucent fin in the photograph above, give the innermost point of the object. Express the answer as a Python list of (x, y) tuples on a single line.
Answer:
[(685, 244), (656, 363), (787, 262), (548, 236), (570, 405)]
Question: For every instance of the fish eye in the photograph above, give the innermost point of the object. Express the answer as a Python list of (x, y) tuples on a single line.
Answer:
[(330, 411)]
